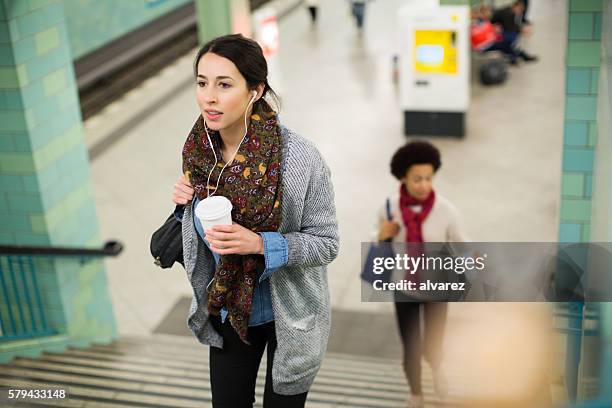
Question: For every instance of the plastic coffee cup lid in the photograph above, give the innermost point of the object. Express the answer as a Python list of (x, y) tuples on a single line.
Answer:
[(213, 207)]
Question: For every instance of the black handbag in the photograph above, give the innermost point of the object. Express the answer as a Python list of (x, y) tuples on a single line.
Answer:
[(167, 243)]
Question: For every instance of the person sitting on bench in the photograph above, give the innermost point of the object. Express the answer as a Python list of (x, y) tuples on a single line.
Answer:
[(510, 21)]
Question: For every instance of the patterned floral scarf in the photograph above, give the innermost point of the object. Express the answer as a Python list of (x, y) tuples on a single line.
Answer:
[(253, 184)]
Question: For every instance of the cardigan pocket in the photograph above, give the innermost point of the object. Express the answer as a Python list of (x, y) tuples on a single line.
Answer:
[(305, 324), (301, 352)]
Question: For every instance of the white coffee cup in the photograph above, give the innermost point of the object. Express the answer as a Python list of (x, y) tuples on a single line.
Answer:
[(215, 210)]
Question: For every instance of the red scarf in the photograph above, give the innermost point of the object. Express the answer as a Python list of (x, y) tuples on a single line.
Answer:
[(414, 220), (414, 223)]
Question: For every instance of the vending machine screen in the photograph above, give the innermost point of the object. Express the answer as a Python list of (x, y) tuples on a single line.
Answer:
[(435, 51)]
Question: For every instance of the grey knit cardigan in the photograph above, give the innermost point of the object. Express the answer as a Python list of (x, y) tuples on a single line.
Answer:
[(299, 290)]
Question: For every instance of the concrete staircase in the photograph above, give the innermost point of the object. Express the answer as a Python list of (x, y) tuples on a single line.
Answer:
[(158, 371)]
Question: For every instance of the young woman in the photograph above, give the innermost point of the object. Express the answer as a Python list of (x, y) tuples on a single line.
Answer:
[(419, 215), (262, 280)]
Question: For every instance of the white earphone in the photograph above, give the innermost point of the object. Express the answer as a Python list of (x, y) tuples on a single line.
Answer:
[(254, 93)]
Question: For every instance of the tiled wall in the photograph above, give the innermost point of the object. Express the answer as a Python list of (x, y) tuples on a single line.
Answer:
[(214, 18), (602, 192), (583, 60), (94, 23), (602, 181), (45, 190)]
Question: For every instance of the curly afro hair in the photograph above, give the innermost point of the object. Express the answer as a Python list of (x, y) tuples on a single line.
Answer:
[(417, 152)]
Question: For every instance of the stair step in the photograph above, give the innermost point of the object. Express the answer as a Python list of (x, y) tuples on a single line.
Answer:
[(163, 385), (177, 377), (170, 361), (126, 363), (365, 373), (202, 351), (86, 388), (159, 372), (87, 392), (194, 348)]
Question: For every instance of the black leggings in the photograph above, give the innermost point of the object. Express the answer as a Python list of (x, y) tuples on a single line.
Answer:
[(233, 369), (409, 323)]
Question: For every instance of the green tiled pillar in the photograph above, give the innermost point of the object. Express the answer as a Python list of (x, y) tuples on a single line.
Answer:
[(45, 189), (583, 59), (220, 17), (602, 194), (213, 18)]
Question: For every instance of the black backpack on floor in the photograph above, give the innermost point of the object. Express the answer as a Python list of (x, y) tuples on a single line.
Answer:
[(493, 72)]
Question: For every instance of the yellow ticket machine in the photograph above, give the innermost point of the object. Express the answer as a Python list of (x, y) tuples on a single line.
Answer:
[(434, 68)]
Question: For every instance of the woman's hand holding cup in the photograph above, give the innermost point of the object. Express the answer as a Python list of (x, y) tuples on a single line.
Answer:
[(234, 239)]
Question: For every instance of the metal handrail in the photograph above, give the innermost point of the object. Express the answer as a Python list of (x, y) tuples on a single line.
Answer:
[(22, 310), (110, 248)]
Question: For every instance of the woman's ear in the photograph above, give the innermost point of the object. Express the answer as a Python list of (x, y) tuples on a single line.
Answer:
[(260, 89)]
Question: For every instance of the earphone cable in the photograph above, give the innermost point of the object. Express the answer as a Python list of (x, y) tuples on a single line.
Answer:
[(233, 156)]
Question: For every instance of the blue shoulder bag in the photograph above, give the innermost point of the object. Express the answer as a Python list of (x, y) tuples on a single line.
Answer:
[(376, 250)]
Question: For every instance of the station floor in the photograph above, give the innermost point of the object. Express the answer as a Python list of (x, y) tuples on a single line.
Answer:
[(337, 90)]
